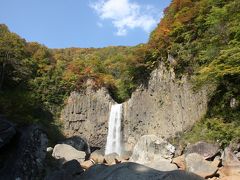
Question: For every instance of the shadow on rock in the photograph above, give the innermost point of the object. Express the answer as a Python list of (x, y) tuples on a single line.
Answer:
[(133, 171)]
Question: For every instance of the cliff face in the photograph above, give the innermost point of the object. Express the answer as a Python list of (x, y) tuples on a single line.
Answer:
[(86, 114), (163, 108)]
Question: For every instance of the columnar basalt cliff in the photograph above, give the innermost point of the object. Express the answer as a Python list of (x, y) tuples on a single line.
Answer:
[(86, 114), (164, 107)]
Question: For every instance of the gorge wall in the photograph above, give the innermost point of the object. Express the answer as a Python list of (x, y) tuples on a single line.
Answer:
[(164, 107), (86, 114)]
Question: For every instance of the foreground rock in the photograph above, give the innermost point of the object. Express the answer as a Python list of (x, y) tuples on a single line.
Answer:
[(70, 170), (78, 143), (162, 165), (150, 148), (26, 155), (7, 131), (195, 163), (206, 150), (133, 171), (112, 158), (154, 152), (67, 153), (231, 164), (87, 164), (180, 162), (97, 156)]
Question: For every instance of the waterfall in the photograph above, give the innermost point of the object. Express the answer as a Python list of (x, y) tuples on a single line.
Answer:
[(114, 130)]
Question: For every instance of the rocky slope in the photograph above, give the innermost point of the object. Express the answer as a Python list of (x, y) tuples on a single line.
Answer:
[(163, 107)]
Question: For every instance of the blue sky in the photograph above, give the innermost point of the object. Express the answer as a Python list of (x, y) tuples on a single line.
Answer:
[(82, 23)]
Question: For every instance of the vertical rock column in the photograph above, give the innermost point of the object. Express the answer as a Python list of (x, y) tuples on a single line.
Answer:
[(86, 114)]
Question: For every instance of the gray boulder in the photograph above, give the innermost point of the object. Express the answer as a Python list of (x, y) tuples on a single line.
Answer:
[(133, 171), (78, 143), (149, 148), (206, 150), (229, 158), (67, 153), (7, 131), (162, 165), (231, 164), (195, 163)]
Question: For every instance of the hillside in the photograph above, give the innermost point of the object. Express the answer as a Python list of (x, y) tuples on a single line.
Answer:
[(198, 38)]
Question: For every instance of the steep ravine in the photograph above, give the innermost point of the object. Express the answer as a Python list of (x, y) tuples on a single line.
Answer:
[(164, 107)]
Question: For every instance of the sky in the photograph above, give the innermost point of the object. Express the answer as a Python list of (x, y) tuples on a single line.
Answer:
[(83, 23)]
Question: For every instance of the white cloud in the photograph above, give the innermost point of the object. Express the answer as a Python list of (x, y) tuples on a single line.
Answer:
[(99, 24), (126, 15)]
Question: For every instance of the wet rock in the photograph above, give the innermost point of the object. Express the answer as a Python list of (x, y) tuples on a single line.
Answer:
[(133, 171), (206, 150), (7, 131), (195, 163), (149, 148), (67, 153)]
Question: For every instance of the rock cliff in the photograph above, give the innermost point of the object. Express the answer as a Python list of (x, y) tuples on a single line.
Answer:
[(164, 107), (86, 114)]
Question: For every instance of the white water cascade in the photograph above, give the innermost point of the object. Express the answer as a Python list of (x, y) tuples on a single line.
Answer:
[(114, 130)]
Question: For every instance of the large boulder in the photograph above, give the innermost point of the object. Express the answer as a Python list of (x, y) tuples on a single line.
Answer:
[(150, 148), (78, 143), (162, 165), (26, 155), (206, 150), (7, 131), (231, 164), (195, 163), (67, 153), (133, 171), (70, 170), (229, 158)]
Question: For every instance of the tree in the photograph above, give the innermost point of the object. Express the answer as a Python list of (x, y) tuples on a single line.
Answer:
[(11, 56)]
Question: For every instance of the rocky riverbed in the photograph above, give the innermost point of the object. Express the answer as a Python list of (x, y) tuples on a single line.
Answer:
[(25, 155), (158, 159)]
